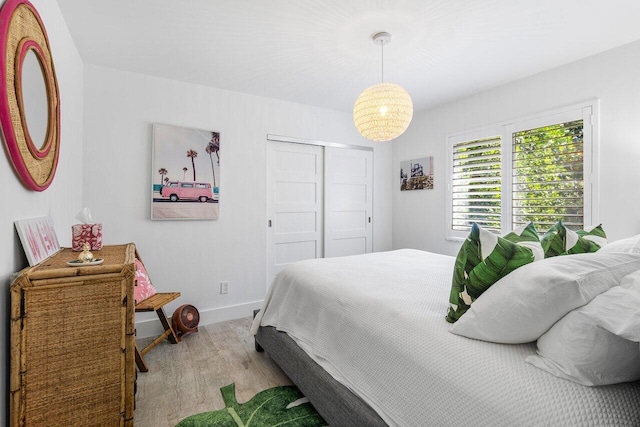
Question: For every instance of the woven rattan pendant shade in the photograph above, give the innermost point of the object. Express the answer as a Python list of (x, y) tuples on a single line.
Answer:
[(383, 111)]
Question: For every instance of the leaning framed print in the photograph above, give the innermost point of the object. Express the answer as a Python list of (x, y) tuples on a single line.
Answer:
[(38, 238), (185, 178)]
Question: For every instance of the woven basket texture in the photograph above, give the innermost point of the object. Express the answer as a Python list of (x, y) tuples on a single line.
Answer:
[(74, 341)]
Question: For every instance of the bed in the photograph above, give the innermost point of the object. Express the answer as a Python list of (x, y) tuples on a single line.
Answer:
[(365, 339)]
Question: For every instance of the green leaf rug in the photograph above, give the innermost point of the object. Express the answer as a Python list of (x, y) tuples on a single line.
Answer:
[(276, 406)]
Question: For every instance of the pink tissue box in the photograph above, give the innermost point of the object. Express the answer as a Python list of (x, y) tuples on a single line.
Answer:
[(86, 233)]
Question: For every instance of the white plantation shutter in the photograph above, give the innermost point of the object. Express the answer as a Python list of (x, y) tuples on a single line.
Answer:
[(548, 176), (476, 184), (545, 174)]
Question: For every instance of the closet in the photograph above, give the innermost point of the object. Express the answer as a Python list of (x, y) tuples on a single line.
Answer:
[(319, 201)]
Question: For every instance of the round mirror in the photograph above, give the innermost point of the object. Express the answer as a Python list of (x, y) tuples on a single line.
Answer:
[(34, 99), (30, 111)]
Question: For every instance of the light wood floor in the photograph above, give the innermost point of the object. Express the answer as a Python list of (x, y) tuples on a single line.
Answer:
[(185, 378)]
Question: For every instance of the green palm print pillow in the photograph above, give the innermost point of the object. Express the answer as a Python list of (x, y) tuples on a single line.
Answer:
[(527, 236), (559, 240), (483, 259), (594, 233)]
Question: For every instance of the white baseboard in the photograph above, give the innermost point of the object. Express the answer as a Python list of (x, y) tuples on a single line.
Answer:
[(151, 327)]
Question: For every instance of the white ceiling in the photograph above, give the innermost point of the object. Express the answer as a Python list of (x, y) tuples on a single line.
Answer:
[(320, 52)]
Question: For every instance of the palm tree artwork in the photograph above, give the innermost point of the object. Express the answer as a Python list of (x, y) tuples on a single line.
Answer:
[(214, 147), (193, 154), (180, 158), (162, 172)]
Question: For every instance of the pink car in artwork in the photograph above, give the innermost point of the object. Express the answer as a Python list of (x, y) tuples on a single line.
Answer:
[(176, 190)]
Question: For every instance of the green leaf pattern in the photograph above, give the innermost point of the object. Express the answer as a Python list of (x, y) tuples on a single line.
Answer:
[(473, 274), (269, 408), (556, 241), (528, 234)]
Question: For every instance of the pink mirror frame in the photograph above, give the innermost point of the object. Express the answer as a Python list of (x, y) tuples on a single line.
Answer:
[(22, 31)]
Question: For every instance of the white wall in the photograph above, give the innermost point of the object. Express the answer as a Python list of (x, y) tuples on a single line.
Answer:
[(613, 77), (194, 256), (62, 199)]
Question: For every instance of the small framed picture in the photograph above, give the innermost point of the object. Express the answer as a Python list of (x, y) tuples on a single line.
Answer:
[(185, 179), (416, 174), (38, 238)]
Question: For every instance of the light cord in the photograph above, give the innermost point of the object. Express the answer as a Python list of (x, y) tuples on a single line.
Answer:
[(382, 64)]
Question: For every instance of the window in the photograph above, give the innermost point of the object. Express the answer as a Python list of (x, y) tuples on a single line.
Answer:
[(476, 184), (534, 169), (548, 176)]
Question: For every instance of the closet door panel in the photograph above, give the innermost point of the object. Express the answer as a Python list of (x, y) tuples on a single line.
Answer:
[(348, 201), (295, 190)]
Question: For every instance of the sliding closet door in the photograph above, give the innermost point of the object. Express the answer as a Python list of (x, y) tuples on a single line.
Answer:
[(348, 201), (294, 204)]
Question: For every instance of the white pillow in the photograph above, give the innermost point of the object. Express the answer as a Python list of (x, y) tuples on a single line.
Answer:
[(625, 321), (524, 304), (630, 245), (596, 344)]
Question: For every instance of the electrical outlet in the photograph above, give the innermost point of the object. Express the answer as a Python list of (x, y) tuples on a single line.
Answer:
[(224, 287)]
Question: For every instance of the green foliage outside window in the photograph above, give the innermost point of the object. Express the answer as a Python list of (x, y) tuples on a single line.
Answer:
[(548, 179)]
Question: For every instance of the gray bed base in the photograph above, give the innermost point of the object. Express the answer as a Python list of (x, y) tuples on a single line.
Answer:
[(336, 403)]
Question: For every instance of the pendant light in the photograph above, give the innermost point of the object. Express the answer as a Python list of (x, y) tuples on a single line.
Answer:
[(383, 111)]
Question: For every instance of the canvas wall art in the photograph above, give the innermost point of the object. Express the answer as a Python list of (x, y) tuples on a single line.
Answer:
[(38, 238), (416, 174), (185, 176)]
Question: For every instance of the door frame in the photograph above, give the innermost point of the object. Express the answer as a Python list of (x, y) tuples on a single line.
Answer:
[(295, 140)]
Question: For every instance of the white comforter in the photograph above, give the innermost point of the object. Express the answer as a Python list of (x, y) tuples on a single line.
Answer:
[(376, 323)]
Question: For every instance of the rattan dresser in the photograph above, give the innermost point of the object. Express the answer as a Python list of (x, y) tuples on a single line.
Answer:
[(72, 341)]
